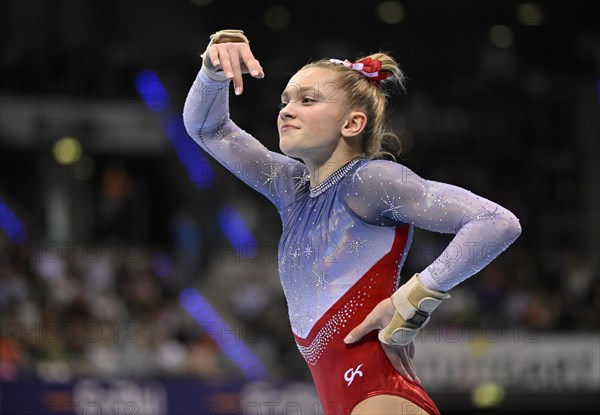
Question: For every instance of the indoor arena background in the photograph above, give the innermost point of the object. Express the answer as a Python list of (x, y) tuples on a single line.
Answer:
[(137, 276)]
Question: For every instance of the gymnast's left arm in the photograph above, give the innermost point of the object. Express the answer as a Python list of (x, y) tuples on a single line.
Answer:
[(483, 229)]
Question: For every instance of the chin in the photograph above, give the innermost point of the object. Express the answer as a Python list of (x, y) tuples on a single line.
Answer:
[(288, 149), (291, 153)]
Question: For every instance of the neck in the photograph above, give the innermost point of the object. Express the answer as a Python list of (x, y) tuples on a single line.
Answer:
[(321, 170)]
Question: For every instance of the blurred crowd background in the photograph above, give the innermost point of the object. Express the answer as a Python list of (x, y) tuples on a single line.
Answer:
[(103, 226)]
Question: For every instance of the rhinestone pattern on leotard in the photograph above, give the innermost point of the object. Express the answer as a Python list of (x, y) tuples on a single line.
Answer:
[(333, 178), (313, 352)]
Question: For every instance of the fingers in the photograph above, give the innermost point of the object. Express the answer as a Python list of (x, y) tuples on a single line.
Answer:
[(394, 358), (236, 69), (367, 325), (235, 59), (251, 63), (377, 319), (225, 60), (213, 55), (400, 358), (408, 364)]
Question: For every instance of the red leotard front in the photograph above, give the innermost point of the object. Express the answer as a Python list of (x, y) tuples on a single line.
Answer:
[(345, 375)]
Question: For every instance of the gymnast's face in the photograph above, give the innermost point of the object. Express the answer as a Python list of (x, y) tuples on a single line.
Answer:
[(311, 118)]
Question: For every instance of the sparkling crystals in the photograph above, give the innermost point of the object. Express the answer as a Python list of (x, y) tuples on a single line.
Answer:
[(313, 352), (308, 251), (300, 182), (302, 323), (333, 179), (271, 176), (439, 200), (320, 278), (488, 214), (356, 245), (393, 209)]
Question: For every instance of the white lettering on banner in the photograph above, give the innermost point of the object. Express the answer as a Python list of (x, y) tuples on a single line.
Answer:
[(552, 363), (293, 398), (123, 397)]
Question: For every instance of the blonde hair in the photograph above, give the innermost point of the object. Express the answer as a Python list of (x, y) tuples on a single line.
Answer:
[(371, 97)]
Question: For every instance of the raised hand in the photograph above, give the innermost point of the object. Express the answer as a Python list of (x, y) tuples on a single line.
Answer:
[(230, 52)]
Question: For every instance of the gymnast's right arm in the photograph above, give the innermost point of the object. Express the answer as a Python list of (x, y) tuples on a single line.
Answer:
[(206, 118)]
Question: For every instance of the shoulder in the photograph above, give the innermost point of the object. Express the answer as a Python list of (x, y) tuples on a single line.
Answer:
[(383, 173), (373, 167), (379, 190), (377, 181)]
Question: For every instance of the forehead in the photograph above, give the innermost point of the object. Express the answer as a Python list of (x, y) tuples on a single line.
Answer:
[(311, 78)]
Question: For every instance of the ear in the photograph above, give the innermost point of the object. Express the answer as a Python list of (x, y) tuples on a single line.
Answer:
[(355, 123)]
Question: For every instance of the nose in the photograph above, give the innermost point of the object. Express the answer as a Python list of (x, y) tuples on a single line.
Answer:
[(286, 113)]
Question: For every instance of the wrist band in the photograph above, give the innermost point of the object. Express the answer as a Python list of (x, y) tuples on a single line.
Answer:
[(414, 303)]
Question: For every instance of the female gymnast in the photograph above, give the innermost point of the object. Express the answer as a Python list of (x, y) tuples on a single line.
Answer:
[(347, 221)]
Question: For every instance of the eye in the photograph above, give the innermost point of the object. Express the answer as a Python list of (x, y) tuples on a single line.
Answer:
[(307, 100), (282, 104)]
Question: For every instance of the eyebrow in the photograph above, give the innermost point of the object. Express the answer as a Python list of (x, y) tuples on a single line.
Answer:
[(303, 89)]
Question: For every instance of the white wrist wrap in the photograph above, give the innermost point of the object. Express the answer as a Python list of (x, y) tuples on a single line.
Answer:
[(414, 303)]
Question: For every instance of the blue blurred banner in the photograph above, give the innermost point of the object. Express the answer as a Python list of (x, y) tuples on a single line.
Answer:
[(145, 396), (463, 369), (155, 397)]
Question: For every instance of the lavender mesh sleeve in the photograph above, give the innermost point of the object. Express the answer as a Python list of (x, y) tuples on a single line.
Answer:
[(385, 193), (206, 118)]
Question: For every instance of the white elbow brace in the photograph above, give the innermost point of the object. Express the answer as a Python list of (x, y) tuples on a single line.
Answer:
[(414, 303), (222, 36)]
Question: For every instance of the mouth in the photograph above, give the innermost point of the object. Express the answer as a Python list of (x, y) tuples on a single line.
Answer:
[(286, 127)]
